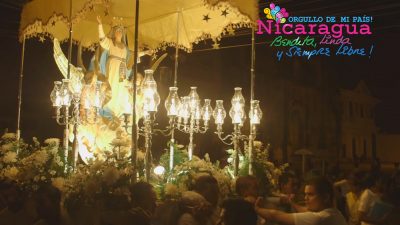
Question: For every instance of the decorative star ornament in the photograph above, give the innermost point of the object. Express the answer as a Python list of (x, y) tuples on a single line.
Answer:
[(224, 13), (41, 39), (53, 23), (231, 31), (206, 18), (215, 45)]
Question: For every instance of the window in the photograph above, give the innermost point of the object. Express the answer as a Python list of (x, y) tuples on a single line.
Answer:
[(373, 146), (343, 109), (365, 148), (350, 109), (355, 109), (343, 150), (361, 111)]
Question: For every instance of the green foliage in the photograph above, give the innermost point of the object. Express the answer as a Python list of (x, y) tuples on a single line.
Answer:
[(185, 172), (264, 170), (180, 155)]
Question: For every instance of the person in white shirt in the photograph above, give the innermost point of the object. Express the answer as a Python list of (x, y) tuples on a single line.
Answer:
[(319, 208), (369, 197)]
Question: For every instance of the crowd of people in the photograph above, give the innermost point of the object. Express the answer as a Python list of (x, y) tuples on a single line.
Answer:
[(363, 198)]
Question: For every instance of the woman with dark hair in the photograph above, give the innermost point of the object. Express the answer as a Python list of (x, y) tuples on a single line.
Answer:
[(319, 207)]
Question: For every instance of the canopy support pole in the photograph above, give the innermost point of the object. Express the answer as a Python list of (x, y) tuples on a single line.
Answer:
[(176, 51), (252, 84), (66, 129), (172, 139), (21, 77), (70, 40), (134, 124)]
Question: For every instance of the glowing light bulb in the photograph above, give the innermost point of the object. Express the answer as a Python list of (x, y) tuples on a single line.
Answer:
[(65, 93), (206, 111), (255, 113), (172, 103), (219, 113), (55, 94), (237, 110), (159, 170)]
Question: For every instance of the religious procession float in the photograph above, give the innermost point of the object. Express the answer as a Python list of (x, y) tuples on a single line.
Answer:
[(108, 109)]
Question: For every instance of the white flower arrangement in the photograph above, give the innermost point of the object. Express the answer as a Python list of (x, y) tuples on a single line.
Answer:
[(10, 157), (52, 141), (11, 173), (183, 176), (265, 171), (9, 136), (111, 174), (99, 180), (31, 165), (7, 147)]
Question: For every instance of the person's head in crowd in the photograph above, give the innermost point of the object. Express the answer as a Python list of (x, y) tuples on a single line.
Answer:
[(318, 194), (207, 186), (355, 181), (247, 187), (11, 196), (196, 205), (287, 183), (238, 212), (47, 203), (144, 196), (372, 181)]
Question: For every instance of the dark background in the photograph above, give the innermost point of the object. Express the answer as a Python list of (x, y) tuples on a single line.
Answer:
[(215, 72)]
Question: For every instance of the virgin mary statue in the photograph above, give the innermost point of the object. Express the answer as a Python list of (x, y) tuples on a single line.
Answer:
[(114, 65)]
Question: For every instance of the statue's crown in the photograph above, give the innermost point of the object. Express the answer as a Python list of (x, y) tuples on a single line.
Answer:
[(117, 22)]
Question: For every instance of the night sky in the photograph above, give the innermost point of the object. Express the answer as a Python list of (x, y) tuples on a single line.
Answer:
[(227, 67)]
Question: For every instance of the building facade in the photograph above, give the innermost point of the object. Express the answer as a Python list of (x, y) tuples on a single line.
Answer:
[(312, 111), (358, 130)]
